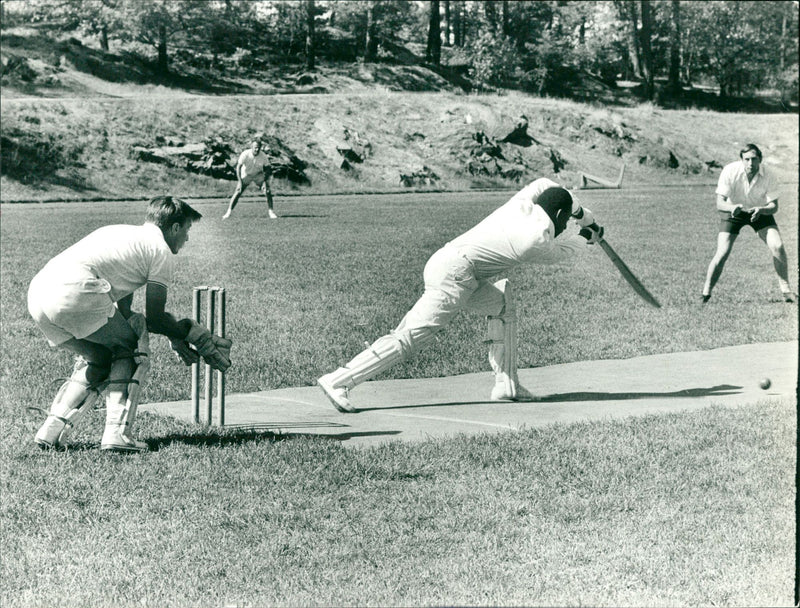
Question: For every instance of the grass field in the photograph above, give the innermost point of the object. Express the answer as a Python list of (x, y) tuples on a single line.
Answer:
[(690, 509)]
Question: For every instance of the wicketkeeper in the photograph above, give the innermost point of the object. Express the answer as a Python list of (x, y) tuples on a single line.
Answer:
[(462, 276), (81, 300)]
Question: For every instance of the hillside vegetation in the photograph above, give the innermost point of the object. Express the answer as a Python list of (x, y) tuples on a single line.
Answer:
[(75, 121)]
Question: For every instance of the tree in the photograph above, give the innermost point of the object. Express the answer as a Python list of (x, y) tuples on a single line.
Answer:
[(675, 48), (371, 46), (647, 53), (629, 14), (310, 36), (433, 52)]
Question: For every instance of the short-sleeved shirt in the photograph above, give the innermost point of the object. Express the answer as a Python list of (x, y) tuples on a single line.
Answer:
[(252, 165), (128, 257), (518, 232), (734, 186)]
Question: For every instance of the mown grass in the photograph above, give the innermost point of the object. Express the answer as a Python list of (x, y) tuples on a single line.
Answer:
[(685, 509)]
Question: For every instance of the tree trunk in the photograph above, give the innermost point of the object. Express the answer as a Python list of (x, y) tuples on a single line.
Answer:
[(163, 62), (311, 49), (371, 50), (629, 15), (104, 38), (675, 48), (490, 10), (458, 39), (447, 22), (784, 31), (647, 53), (506, 28), (433, 54)]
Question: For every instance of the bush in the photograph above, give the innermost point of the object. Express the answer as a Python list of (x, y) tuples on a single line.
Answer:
[(33, 157), (492, 61)]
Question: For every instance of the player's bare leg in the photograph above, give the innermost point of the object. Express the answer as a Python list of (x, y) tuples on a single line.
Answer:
[(234, 200), (268, 194), (772, 237), (725, 242)]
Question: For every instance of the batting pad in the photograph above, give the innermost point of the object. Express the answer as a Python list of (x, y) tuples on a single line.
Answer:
[(380, 356)]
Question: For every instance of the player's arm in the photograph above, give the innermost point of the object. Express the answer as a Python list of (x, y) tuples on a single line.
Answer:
[(725, 204), (771, 208), (124, 306), (215, 350), (159, 321)]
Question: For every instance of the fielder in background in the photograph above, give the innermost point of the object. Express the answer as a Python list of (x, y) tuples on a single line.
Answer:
[(81, 300), (253, 167), (460, 276), (747, 196)]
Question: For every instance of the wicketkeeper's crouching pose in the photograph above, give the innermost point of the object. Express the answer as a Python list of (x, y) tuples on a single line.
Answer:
[(460, 277), (82, 300)]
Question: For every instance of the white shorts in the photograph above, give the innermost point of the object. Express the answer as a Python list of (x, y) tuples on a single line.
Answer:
[(69, 303)]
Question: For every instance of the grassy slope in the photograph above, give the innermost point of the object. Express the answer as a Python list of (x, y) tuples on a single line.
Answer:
[(407, 131)]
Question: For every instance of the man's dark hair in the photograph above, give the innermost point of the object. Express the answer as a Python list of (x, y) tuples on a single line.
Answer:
[(164, 211), (748, 148)]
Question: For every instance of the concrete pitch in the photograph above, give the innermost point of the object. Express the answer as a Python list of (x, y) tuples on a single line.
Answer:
[(415, 410)]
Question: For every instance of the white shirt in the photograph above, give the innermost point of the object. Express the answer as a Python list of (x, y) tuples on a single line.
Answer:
[(252, 165), (734, 186), (518, 232), (128, 257)]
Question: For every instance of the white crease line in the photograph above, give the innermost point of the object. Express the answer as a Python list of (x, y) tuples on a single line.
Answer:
[(442, 418), (271, 398)]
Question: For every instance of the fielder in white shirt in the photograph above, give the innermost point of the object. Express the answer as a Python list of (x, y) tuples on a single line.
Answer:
[(81, 300), (461, 276), (747, 196), (253, 167)]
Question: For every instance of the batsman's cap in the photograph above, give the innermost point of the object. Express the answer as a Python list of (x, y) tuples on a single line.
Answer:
[(557, 203)]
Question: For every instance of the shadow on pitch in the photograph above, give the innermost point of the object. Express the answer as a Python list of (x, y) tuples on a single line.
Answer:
[(714, 391), (234, 436)]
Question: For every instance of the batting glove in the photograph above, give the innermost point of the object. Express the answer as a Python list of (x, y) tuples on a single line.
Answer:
[(592, 233)]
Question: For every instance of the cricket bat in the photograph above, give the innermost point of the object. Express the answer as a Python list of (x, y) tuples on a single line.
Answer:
[(628, 275)]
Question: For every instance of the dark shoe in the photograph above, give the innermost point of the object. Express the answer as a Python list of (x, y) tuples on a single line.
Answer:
[(789, 297), (706, 298)]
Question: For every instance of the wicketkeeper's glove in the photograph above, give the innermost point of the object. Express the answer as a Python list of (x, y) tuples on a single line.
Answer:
[(592, 233), (185, 352), (214, 349)]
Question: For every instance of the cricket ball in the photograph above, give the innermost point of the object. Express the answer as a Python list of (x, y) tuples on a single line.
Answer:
[(765, 383)]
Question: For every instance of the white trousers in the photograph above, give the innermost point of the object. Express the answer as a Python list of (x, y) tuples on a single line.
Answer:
[(450, 287)]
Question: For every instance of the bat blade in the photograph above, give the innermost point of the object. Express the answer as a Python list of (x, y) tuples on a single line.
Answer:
[(626, 273)]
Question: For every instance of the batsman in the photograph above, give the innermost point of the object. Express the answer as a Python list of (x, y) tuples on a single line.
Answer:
[(81, 300), (462, 276)]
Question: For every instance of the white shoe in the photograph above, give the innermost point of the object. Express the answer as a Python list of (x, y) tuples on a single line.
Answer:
[(50, 433), (227, 215), (337, 395), (501, 393), (115, 440), (272, 215)]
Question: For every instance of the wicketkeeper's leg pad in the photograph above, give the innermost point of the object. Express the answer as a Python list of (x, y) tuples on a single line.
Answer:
[(122, 401), (74, 398)]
